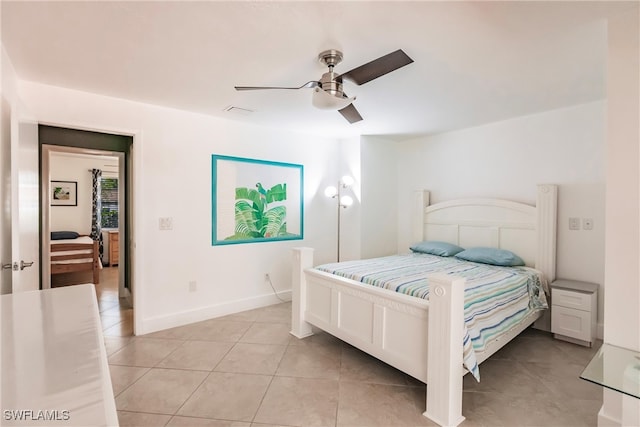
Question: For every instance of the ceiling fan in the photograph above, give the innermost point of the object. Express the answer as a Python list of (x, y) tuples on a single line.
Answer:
[(328, 93)]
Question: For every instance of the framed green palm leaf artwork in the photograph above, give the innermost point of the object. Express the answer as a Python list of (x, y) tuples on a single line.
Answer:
[(255, 200)]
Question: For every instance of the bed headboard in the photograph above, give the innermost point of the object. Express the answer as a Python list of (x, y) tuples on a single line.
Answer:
[(529, 231)]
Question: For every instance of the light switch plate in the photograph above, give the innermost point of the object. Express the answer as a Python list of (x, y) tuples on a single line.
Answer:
[(574, 223), (165, 223)]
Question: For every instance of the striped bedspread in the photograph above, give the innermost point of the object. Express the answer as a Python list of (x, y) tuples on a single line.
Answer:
[(496, 298)]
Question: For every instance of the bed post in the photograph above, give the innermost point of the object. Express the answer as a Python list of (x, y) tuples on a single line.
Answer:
[(444, 350), (420, 203), (547, 210), (302, 259), (96, 263)]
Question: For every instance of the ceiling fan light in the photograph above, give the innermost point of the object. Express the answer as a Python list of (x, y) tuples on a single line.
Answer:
[(325, 101)]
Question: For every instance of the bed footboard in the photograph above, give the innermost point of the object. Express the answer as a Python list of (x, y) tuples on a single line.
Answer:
[(76, 257), (379, 322)]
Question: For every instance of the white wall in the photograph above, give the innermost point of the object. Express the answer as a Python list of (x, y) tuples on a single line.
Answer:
[(622, 260), (172, 178), (623, 231), (70, 167), (349, 163), (506, 160), (379, 195)]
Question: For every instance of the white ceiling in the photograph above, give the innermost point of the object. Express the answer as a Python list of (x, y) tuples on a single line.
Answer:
[(475, 62)]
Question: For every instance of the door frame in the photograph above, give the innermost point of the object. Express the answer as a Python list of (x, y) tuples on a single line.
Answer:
[(133, 186), (45, 186)]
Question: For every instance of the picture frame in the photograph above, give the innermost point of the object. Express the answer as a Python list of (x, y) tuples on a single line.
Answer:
[(255, 200), (64, 193)]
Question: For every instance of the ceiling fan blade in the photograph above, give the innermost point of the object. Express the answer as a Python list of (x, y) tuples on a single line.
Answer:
[(350, 113), (312, 84), (378, 67)]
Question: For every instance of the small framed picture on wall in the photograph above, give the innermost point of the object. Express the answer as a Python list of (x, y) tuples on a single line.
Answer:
[(64, 193)]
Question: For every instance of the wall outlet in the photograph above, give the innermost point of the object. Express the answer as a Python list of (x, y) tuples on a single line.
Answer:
[(574, 223), (193, 286), (587, 223), (165, 223)]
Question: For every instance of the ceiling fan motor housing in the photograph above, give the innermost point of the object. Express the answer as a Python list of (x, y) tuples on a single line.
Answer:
[(329, 81), (331, 84)]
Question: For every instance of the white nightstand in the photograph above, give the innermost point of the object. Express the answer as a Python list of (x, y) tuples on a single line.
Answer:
[(574, 311)]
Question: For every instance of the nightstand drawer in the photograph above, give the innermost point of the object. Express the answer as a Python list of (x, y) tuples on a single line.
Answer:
[(114, 247), (571, 323), (571, 299)]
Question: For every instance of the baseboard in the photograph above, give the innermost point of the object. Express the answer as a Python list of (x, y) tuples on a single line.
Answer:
[(606, 420), (600, 331), (159, 323), (128, 296)]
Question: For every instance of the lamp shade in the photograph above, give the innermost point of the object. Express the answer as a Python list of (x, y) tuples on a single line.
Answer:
[(347, 181), (325, 101), (330, 191), (346, 201)]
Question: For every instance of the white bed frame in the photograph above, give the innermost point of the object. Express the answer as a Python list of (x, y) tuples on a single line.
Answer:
[(424, 338)]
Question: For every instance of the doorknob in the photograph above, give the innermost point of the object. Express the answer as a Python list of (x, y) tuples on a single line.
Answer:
[(24, 265), (10, 266)]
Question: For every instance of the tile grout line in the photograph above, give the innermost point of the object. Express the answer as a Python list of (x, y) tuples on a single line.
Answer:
[(342, 349), (253, 419), (135, 381), (206, 377), (191, 395)]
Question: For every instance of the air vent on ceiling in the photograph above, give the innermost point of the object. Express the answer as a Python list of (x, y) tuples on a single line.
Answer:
[(238, 110)]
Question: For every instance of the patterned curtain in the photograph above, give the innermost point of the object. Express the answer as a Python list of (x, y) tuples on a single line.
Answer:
[(96, 213)]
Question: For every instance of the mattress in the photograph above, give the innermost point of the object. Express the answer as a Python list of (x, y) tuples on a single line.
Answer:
[(496, 298), (82, 239)]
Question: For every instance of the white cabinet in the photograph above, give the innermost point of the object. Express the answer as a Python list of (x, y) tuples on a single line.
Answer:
[(574, 311)]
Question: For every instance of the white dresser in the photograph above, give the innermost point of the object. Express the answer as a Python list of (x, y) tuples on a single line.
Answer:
[(54, 363), (574, 311)]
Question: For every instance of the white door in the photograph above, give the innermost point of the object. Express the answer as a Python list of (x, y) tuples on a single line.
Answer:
[(20, 251)]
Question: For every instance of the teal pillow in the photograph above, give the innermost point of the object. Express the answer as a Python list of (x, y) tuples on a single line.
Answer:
[(433, 247), (493, 256)]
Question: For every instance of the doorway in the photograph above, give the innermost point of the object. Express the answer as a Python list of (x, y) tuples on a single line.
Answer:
[(97, 168)]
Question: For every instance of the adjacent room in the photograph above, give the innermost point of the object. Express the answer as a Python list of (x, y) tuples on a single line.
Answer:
[(237, 261)]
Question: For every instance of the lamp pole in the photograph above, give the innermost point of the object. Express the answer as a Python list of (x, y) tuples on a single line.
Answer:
[(340, 206), (343, 201)]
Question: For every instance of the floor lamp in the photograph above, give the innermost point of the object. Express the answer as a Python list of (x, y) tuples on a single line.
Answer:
[(343, 201)]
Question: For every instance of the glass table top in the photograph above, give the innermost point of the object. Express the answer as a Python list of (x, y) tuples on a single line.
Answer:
[(615, 368)]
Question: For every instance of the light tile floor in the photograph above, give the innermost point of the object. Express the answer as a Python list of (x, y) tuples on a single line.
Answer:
[(246, 370)]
